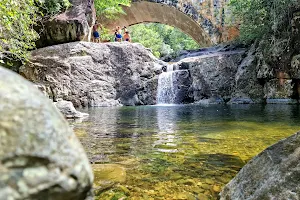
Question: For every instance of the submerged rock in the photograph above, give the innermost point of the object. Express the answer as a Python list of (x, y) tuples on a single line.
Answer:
[(273, 174), (107, 175), (91, 74), (40, 156)]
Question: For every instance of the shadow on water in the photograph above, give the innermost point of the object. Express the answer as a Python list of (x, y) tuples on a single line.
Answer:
[(181, 152)]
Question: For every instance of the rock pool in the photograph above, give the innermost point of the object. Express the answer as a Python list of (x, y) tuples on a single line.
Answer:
[(178, 152)]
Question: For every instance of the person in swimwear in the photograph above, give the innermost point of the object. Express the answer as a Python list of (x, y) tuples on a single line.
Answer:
[(118, 34), (96, 34), (127, 36)]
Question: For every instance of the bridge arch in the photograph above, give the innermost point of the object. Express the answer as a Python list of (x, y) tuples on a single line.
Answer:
[(183, 16)]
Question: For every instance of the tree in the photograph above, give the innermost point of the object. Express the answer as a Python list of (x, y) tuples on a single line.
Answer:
[(261, 17), (110, 8), (162, 39), (17, 19)]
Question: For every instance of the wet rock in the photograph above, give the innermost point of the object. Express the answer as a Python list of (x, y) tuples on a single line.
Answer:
[(216, 188), (174, 87), (241, 100), (68, 110), (40, 156), (273, 174), (91, 74), (247, 87), (278, 89), (210, 101), (213, 74), (295, 67), (202, 197)]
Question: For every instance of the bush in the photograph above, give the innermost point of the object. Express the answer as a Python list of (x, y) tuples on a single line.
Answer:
[(17, 19)]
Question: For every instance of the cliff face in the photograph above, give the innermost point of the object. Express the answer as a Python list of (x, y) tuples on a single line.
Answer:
[(91, 74)]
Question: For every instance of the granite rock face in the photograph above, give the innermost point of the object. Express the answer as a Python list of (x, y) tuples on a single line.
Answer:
[(91, 74), (213, 75), (247, 87), (273, 174), (40, 156), (73, 25)]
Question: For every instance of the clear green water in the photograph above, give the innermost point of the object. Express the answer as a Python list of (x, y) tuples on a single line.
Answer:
[(179, 152)]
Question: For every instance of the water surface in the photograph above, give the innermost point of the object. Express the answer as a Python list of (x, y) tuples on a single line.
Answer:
[(180, 152)]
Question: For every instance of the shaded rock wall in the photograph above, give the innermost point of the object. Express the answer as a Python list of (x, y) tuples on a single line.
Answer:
[(40, 156), (91, 74), (213, 75), (73, 25)]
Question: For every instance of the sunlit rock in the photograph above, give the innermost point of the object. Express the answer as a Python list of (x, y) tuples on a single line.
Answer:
[(68, 110), (97, 75)]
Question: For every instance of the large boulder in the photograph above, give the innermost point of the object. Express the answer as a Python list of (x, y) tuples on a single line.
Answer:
[(73, 25), (273, 174), (213, 75), (92, 74), (40, 156)]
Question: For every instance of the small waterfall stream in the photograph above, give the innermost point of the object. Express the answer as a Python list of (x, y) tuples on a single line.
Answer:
[(172, 86)]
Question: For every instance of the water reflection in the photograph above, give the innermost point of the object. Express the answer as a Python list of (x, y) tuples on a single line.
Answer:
[(166, 137), (182, 152)]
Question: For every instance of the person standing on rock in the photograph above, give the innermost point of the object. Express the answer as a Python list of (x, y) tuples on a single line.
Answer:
[(96, 34), (118, 34), (127, 36)]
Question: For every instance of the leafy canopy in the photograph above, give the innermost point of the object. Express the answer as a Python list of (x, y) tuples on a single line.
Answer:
[(110, 8), (162, 39)]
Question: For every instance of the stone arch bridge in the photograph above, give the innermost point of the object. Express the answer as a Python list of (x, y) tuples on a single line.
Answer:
[(203, 20)]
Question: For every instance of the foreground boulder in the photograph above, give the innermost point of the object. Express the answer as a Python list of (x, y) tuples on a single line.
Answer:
[(92, 74), (40, 157), (273, 174)]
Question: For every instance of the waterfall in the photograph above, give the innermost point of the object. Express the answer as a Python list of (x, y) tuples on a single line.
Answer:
[(165, 90), (172, 86)]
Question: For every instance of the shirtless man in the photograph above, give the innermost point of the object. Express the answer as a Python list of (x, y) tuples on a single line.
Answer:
[(96, 34), (127, 36)]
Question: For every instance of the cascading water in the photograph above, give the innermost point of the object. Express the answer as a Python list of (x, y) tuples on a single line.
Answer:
[(172, 86), (165, 90)]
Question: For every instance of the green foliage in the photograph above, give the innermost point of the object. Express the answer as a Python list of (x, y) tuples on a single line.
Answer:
[(16, 28), (52, 7), (110, 8), (260, 17), (162, 39), (17, 19)]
